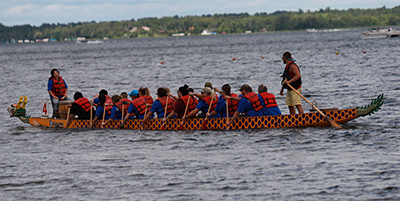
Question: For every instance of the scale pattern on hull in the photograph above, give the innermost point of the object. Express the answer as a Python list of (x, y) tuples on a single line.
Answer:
[(278, 121)]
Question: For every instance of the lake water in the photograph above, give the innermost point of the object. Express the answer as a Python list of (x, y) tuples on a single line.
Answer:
[(361, 162)]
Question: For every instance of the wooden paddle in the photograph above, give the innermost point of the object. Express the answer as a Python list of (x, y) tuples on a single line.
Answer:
[(104, 116), (184, 114), (91, 115), (227, 114), (165, 113), (205, 122), (331, 121), (66, 123), (142, 122), (122, 117)]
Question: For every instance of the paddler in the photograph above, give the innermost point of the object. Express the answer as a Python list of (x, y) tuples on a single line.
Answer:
[(160, 104), (58, 89), (137, 106), (207, 98), (180, 104), (105, 106), (292, 76), (221, 105), (268, 101), (80, 107), (249, 104), (144, 93)]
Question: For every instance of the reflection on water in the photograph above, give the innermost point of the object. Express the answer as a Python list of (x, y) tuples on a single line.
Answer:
[(360, 162)]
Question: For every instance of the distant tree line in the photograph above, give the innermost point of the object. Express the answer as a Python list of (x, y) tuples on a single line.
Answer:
[(230, 23)]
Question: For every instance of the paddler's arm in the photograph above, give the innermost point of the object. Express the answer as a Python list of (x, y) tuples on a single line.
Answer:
[(71, 116), (169, 116), (281, 92), (126, 117), (234, 98), (191, 114), (94, 120), (65, 94), (197, 95), (235, 116), (212, 113), (217, 90), (148, 115)]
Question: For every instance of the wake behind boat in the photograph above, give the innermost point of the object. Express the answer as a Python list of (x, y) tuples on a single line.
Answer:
[(311, 119)]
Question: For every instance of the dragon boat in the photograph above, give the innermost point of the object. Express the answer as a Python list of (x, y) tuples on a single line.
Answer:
[(311, 119)]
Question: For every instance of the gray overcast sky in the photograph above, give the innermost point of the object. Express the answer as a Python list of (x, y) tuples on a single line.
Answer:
[(36, 12)]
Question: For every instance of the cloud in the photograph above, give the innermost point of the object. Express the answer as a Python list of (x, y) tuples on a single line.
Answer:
[(21, 10)]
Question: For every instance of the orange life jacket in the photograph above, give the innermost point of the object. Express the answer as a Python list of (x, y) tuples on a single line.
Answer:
[(170, 106), (58, 88), (192, 103), (233, 105), (140, 105), (108, 105), (254, 100), (148, 100), (126, 105), (84, 103), (269, 99), (213, 104)]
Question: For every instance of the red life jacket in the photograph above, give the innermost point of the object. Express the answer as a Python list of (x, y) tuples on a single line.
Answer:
[(140, 105), (254, 100), (170, 106), (148, 100), (269, 99), (213, 104), (58, 86), (233, 105), (84, 103), (126, 105), (192, 103), (108, 105)]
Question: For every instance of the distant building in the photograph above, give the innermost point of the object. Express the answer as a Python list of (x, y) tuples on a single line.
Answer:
[(133, 29), (146, 28)]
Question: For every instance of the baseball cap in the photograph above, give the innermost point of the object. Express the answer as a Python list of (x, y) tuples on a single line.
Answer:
[(134, 93)]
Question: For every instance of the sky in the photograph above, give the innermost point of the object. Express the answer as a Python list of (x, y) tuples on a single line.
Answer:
[(37, 12)]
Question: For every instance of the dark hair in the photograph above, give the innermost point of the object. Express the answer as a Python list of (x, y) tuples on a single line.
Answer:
[(184, 90), (287, 55), (227, 89), (124, 95), (161, 92), (115, 98), (102, 99), (52, 72), (78, 95), (262, 88), (103, 91), (190, 90)]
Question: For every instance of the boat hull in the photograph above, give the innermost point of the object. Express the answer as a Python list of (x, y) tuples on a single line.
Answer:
[(277, 121)]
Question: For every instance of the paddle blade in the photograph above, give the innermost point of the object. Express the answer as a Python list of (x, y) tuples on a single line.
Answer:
[(181, 127), (204, 125), (333, 123), (163, 127)]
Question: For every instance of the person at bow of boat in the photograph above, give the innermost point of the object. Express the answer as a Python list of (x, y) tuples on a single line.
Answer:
[(221, 105), (103, 109), (207, 98), (291, 75), (137, 107), (180, 104), (80, 107), (159, 105), (270, 107), (249, 104), (58, 90)]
